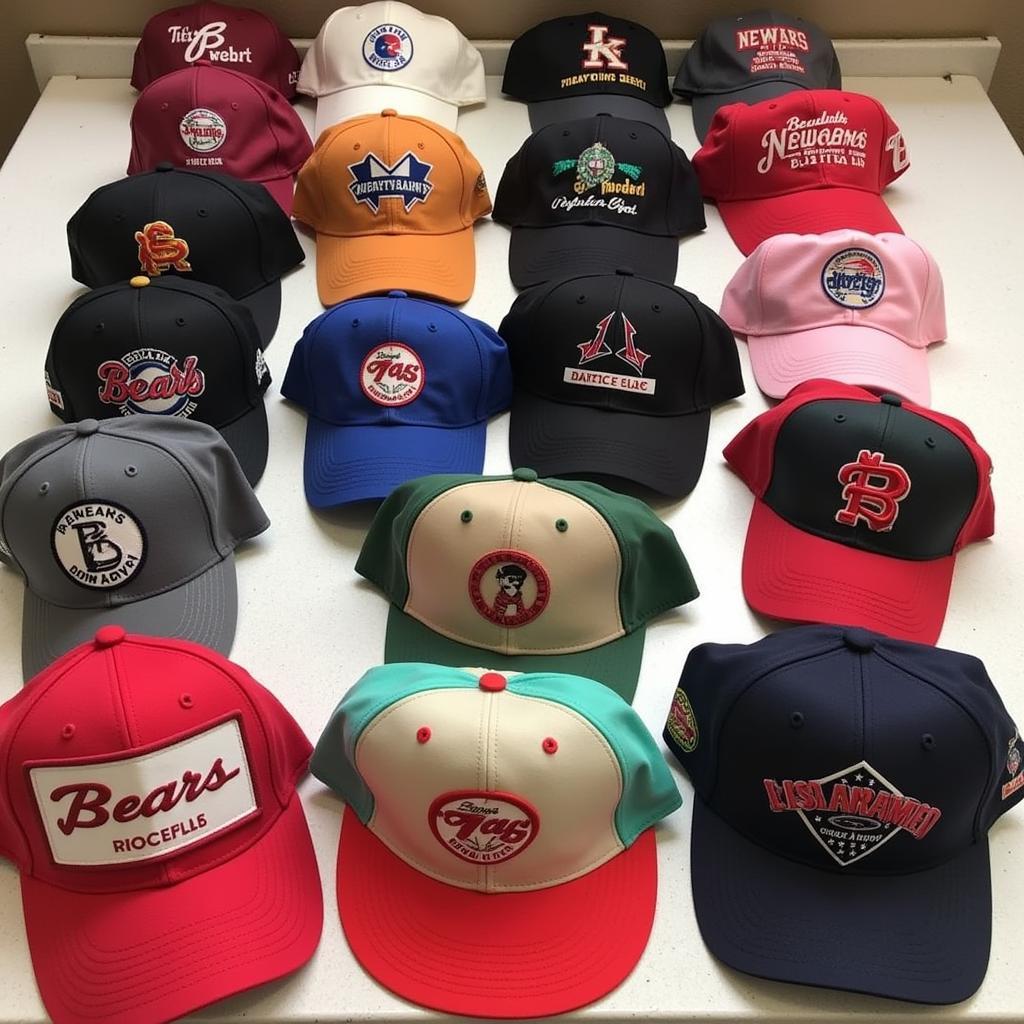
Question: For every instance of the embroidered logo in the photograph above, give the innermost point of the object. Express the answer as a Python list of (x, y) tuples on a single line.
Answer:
[(598, 347), (872, 490), (681, 724), (392, 374), (99, 544), (854, 278), (207, 43), (595, 167), (825, 139), (483, 827), (53, 396), (387, 48), (1013, 761), (149, 380), (509, 588), (773, 48), (601, 51), (852, 813), (203, 130), (897, 147), (407, 180), (160, 249)]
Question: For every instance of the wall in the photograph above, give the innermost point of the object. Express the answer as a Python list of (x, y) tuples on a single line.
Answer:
[(479, 20)]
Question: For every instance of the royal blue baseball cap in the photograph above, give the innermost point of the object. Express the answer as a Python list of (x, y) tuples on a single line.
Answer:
[(395, 388), (846, 782)]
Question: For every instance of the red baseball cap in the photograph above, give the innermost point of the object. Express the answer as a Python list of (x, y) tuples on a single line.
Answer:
[(808, 162), (210, 117), (147, 796), (861, 503)]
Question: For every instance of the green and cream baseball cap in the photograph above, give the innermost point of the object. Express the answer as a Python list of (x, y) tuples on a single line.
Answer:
[(516, 573), (497, 855)]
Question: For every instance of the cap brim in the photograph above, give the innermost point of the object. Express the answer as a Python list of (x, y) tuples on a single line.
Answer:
[(922, 936), (811, 212), (265, 306), (283, 191), (203, 610), (346, 464), (157, 954), (616, 664), (791, 574), (536, 255), (705, 106), (545, 112), (249, 438), (663, 453), (860, 355), (550, 950), (361, 100)]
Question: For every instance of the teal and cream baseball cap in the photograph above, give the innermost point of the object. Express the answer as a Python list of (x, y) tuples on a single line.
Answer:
[(497, 855), (521, 574)]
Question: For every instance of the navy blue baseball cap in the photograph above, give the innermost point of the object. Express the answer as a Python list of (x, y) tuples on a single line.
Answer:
[(846, 782), (395, 387)]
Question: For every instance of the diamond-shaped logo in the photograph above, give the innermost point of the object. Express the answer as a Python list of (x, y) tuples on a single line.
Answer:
[(406, 179)]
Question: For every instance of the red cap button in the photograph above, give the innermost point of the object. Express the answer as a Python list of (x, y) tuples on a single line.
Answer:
[(492, 682), (107, 636)]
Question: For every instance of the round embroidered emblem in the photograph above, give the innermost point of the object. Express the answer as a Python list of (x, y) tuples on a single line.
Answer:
[(99, 544), (203, 130), (595, 165), (483, 827), (854, 278), (387, 48), (509, 588), (149, 380), (392, 374)]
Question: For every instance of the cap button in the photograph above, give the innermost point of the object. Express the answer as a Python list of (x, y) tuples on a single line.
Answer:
[(525, 475), (891, 399), (389, 112), (859, 640), (396, 293), (625, 271), (492, 682), (107, 636), (164, 165), (86, 427), (139, 281)]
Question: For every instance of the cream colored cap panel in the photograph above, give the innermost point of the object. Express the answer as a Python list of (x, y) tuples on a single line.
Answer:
[(482, 786), (509, 579)]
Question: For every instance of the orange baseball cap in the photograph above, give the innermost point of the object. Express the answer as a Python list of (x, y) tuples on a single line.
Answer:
[(393, 201)]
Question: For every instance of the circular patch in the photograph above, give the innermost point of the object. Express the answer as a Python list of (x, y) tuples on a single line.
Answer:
[(1013, 761), (682, 723), (387, 48), (203, 130), (482, 827), (99, 544), (509, 588), (392, 374), (149, 380), (595, 165), (854, 278)]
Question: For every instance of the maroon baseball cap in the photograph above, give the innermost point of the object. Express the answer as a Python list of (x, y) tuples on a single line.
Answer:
[(206, 117), (238, 38)]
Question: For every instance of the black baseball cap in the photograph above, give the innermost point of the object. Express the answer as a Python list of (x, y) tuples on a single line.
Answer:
[(615, 376), (845, 785), (587, 64), (753, 57), (596, 194), (210, 227), (167, 347)]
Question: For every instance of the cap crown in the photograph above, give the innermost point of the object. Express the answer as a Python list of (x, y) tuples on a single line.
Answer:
[(399, 361), (439, 804), (390, 175), (585, 54), (537, 567), (821, 138)]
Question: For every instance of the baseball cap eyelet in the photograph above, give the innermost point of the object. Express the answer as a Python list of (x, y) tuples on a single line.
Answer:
[(549, 745), (561, 525), (565, 133), (357, 145), (419, 145), (164, 106), (68, 731), (580, 299), (355, 321), (656, 307), (186, 701), (99, 328), (927, 741), (423, 734), (632, 135), (234, 104), (130, 470), (796, 720), (840, 417), (202, 212), (44, 487), (772, 106), (929, 441), (118, 217), (180, 321), (432, 328), (466, 516)]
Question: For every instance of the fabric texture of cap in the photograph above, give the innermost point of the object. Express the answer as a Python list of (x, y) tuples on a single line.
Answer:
[(238, 38), (166, 347), (147, 796), (208, 227), (853, 307), (845, 784), (587, 64), (861, 503), (131, 521), (393, 201), (210, 116), (395, 388), (387, 54), (594, 195), (523, 574), (615, 378), (808, 162), (527, 800), (754, 57)]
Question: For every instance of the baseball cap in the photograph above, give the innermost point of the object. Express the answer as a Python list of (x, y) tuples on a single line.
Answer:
[(167, 347), (808, 162), (748, 58), (527, 801), (131, 521), (393, 201), (845, 783), (212, 227), (586, 64), (861, 503), (234, 37), (522, 574), (209, 116), (596, 194), (615, 377), (148, 800), (854, 307), (395, 388), (368, 58)]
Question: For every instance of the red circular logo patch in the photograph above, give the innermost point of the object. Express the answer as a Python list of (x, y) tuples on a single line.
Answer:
[(509, 588), (482, 827), (392, 374)]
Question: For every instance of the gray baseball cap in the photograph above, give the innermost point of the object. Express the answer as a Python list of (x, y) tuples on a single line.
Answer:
[(130, 521)]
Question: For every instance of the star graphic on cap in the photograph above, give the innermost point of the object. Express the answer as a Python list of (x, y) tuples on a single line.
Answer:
[(871, 782), (817, 817), (858, 777), (845, 781), (831, 842)]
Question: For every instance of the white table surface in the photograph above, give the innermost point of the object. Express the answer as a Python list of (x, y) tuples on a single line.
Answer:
[(309, 627)]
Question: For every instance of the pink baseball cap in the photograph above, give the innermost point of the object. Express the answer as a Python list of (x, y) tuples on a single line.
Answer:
[(212, 118), (850, 306), (147, 796)]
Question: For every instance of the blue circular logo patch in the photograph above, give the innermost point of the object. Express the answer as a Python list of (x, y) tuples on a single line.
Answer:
[(854, 278), (387, 48)]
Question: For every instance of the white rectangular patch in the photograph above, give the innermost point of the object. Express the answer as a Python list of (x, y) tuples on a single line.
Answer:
[(614, 381), (119, 812)]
